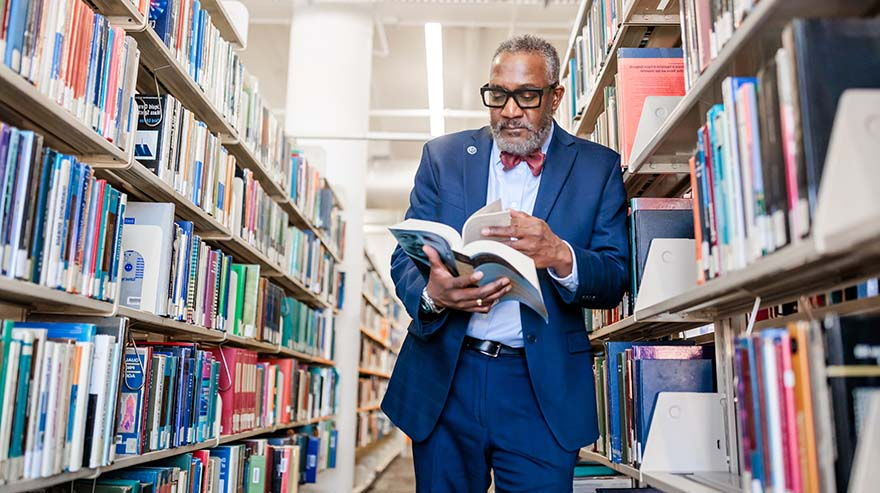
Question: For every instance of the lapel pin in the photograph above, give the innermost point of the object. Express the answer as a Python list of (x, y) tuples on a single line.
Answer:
[(471, 150)]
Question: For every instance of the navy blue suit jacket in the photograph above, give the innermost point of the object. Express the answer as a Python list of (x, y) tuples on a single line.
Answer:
[(581, 197)]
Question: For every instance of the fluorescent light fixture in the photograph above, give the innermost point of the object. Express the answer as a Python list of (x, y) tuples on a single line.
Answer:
[(434, 59)]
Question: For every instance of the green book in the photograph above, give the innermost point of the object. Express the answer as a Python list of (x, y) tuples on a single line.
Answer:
[(255, 479), (251, 295), (5, 341), (587, 470), (287, 322), (239, 271)]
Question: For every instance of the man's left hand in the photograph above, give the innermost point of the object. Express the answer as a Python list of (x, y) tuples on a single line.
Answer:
[(533, 237)]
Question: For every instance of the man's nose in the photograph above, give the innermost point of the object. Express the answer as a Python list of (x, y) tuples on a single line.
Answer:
[(511, 109)]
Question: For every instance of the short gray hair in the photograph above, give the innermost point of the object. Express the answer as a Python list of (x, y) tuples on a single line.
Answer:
[(528, 43)]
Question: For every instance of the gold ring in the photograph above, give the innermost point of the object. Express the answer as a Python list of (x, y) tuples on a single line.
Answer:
[(479, 302)]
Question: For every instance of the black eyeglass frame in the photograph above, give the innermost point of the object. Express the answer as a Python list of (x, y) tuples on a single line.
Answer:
[(508, 94)]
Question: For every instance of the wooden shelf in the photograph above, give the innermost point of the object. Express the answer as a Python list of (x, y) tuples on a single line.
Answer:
[(376, 338), (374, 373), (625, 469), (757, 37), (247, 159), (337, 201), (141, 183), (120, 11), (136, 460), (246, 253), (373, 407), (854, 307), (23, 105), (631, 329), (141, 321), (221, 19), (161, 63), (318, 360), (300, 291), (375, 304), (639, 14)]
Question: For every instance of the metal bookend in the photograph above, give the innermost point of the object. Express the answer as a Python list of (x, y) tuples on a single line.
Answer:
[(655, 112), (687, 434), (847, 211), (671, 269)]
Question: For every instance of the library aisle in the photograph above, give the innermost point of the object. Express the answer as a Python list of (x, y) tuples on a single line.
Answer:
[(201, 203)]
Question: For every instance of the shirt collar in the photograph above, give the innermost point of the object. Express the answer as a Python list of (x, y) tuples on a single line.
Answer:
[(496, 152)]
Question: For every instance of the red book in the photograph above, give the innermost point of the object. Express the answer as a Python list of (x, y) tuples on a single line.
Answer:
[(204, 456), (643, 72), (232, 361), (789, 414)]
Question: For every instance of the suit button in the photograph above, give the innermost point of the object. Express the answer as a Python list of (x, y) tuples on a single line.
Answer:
[(531, 338)]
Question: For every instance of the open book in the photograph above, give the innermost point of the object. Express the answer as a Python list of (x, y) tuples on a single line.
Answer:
[(471, 251)]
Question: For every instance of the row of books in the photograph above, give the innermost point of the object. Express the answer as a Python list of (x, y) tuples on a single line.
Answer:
[(260, 130), (310, 193), (372, 426), (706, 27), (307, 330), (168, 398), (801, 390), (279, 463), (179, 149), (62, 226), (188, 31), (76, 59), (374, 356), (59, 383), (261, 392), (629, 376), (590, 48), (760, 156), (375, 288), (371, 390), (375, 322)]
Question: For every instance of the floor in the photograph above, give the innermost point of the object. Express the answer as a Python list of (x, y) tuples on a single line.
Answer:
[(397, 478)]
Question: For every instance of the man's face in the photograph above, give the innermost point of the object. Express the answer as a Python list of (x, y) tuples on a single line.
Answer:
[(518, 130)]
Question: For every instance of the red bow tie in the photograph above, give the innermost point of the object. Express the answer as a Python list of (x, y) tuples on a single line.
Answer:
[(535, 161)]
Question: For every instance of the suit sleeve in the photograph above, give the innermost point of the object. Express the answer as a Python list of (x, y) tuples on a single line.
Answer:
[(410, 278), (603, 265)]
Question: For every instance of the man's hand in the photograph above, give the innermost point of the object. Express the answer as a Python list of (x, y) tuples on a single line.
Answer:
[(531, 236), (462, 292)]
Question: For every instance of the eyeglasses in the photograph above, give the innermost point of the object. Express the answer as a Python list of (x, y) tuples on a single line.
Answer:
[(495, 97)]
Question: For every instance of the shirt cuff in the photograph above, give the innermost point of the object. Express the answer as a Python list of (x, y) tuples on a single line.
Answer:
[(569, 282)]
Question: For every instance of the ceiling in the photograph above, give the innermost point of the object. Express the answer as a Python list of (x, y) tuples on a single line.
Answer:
[(472, 29)]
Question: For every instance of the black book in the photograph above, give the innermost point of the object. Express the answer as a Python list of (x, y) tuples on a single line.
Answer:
[(851, 352), (772, 159), (151, 143), (653, 218), (831, 56)]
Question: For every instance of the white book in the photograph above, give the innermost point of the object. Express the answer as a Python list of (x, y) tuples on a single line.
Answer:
[(200, 285), (101, 371), (36, 391), (157, 391), (82, 377), (35, 469), (233, 300), (65, 407), (52, 222), (11, 252), (9, 391), (774, 419), (111, 395), (59, 353)]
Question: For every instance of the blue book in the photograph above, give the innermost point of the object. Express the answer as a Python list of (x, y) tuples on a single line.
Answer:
[(130, 422), (312, 459), (57, 330), (51, 160), (224, 453), (666, 375), (757, 459), (196, 482), (17, 18), (16, 450), (716, 145), (156, 476), (612, 350), (206, 381), (213, 393)]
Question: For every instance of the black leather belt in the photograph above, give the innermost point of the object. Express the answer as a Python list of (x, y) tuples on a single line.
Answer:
[(491, 348)]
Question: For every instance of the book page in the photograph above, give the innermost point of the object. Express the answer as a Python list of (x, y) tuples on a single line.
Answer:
[(472, 230), (495, 259)]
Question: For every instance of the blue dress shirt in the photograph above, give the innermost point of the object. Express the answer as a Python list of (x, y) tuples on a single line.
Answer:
[(517, 189)]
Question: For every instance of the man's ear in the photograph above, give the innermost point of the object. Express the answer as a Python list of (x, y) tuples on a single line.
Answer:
[(558, 92)]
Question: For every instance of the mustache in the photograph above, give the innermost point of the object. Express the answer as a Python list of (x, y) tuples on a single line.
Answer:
[(515, 124)]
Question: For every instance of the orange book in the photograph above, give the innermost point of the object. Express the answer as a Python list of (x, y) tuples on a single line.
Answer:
[(806, 427), (698, 230), (643, 72)]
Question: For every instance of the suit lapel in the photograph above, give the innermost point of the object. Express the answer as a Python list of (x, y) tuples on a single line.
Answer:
[(557, 166), (476, 170)]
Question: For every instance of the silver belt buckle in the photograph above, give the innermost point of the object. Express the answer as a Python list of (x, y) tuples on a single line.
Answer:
[(491, 354)]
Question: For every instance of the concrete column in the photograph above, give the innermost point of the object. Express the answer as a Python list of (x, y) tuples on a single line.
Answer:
[(328, 89)]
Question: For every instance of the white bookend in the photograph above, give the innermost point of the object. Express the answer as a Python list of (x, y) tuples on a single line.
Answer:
[(865, 475), (669, 271), (848, 210), (655, 111), (687, 434)]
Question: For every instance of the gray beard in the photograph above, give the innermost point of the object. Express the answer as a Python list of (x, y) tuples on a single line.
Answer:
[(533, 142)]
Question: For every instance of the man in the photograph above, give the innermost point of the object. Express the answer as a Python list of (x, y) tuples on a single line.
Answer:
[(482, 386)]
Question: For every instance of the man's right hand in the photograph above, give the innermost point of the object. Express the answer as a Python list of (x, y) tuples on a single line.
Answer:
[(462, 292)]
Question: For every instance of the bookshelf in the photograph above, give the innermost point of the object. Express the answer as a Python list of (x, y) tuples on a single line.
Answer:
[(828, 259), (223, 22), (23, 105)]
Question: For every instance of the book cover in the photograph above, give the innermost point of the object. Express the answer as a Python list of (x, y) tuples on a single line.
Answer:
[(131, 416), (653, 218)]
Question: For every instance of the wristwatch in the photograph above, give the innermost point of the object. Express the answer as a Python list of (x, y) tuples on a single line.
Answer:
[(427, 305)]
